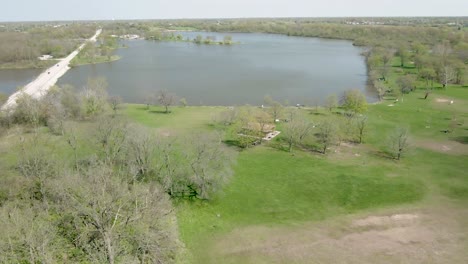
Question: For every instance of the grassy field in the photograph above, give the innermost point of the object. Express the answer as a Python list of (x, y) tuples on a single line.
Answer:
[(274, 189)]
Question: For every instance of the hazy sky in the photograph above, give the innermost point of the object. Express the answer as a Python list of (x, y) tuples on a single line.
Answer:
[(34, 10)]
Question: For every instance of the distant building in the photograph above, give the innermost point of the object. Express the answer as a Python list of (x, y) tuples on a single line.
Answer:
[(45, 57)]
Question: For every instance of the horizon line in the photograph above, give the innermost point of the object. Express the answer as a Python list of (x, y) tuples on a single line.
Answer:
[(226, 18)]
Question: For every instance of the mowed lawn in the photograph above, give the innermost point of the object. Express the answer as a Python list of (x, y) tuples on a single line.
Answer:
[(271, 187), (180, 119)]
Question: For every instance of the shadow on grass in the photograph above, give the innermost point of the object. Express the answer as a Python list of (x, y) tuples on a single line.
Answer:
[(313, 112), (159, 112), (382, 154), (142, 108), (461, 139)]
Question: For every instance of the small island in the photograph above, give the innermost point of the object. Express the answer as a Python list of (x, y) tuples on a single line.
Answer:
[(199, 39)]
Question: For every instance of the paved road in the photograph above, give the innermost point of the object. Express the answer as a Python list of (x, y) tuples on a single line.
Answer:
[(48, 78)]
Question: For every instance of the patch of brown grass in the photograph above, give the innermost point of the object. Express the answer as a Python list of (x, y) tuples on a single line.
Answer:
[(435, 235)]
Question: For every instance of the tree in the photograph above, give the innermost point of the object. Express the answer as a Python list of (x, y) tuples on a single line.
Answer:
[(166, 99), (95, 96), (115, 103), (361, 125), (196, 167), (198, 39), (380, 88), (403, 54), (428, 74), (110, 136), (113, 221), (245, 129), (183, 102), (227, 40), (274, 107), (354, 101), (326, 135), (399, 142), (140, 152), (209, 164), (262, 118), (332, 102), (229, 116), (295, 131), (406, 83), (37, 166), (27, 111), (27, 235), (446, 74)]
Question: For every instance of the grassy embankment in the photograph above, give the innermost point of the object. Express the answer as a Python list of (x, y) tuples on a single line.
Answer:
[(272, 187)]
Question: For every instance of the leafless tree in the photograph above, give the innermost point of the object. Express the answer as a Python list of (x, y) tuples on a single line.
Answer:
[(398, 142), (326, 135), (209, 164), (166, 99), (296, 131), (95, 96), (115, 103), (110, 137), (274, 108), (332, 102), (26, 235), (140, 152), (114, 220), (361, 125)]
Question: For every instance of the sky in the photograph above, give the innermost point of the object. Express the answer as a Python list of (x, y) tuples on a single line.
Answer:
[(52, 10)]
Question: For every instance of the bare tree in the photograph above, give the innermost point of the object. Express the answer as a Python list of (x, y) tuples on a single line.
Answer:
[(399, 142), (95, 96), (115, 103), (38, 166), (296, 131), (166, 99), (110, 136), (197, 167), (446, 75), (27, 235), (140, 152), (326, 135), (361, 125), (209, 164), (332, 102), (274, 108), (114, 220)]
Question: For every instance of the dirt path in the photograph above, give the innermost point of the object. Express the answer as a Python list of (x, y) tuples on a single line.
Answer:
[(49, 77), (430, 235)]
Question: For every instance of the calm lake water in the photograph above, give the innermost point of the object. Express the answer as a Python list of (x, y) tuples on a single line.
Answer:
[(11, 80), (299, 70)]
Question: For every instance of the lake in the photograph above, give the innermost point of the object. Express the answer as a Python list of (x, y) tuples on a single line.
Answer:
[(294, 69), (11, 80)]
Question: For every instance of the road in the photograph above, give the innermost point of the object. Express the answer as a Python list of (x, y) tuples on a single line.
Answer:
[(49, 77)]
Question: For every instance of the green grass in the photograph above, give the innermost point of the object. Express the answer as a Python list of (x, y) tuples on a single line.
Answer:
[(77, 61), (272, 187), (180, 119)]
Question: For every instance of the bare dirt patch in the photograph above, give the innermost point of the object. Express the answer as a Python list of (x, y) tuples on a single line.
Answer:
[(449, 147), (426, 236), (442, 100)]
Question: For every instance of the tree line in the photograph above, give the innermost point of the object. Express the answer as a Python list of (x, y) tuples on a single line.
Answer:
[(346, 122)]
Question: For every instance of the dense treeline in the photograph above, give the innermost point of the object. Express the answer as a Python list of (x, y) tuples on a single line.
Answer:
[(21, 48)]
